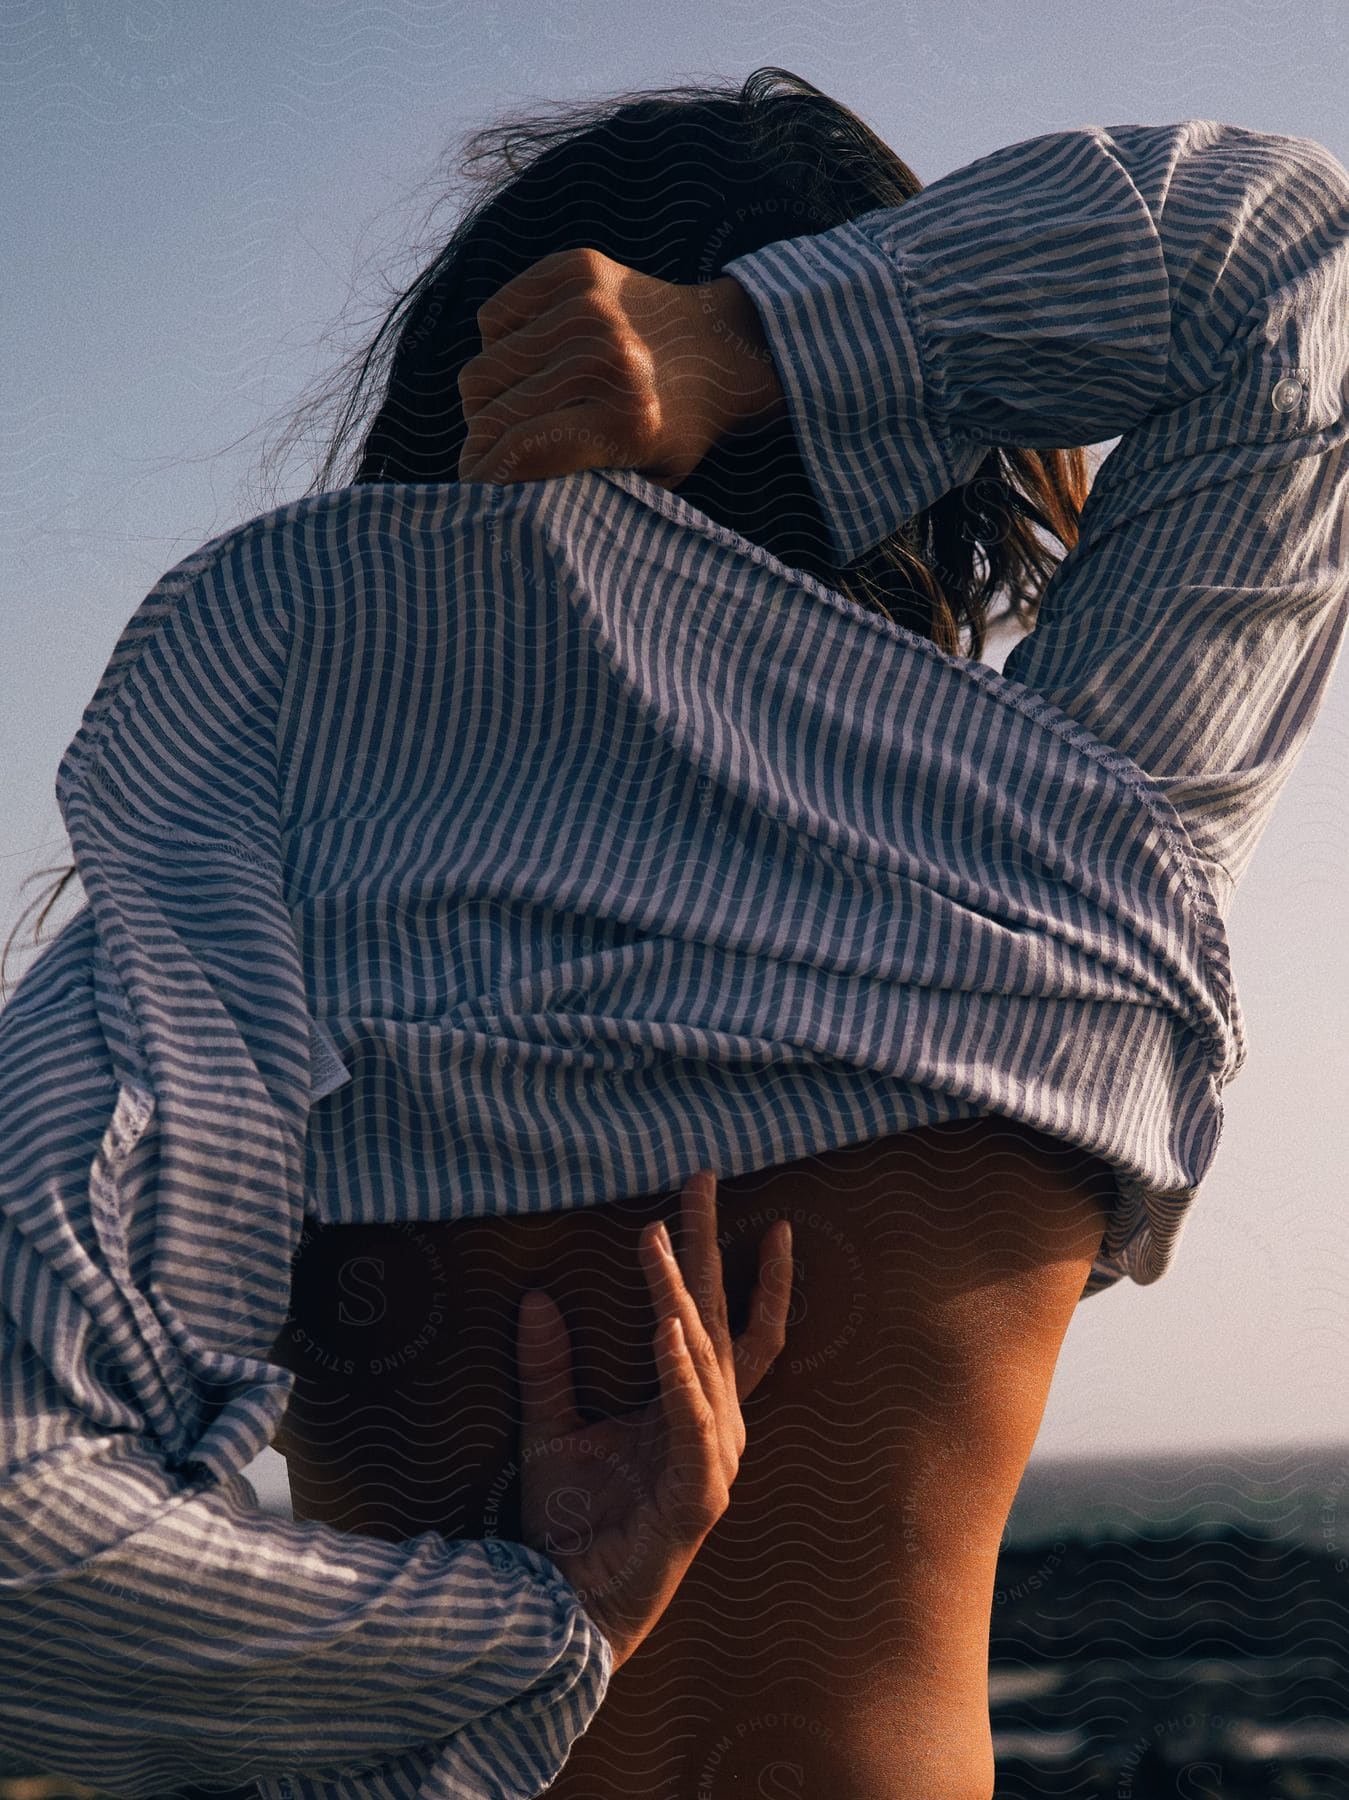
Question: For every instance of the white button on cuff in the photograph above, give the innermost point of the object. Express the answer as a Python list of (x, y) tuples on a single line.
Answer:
[(1286, 393)]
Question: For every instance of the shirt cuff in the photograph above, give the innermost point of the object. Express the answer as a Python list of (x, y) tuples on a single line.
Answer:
[(517, 1752), (512, 1753), (839, 320)]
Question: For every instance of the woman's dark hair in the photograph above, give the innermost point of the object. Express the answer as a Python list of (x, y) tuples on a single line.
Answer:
[(676, 182)]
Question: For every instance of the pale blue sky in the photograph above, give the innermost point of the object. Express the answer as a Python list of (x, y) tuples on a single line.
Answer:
[(200, 205)]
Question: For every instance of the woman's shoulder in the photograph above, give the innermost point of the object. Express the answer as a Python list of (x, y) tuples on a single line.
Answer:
[(320, 523)]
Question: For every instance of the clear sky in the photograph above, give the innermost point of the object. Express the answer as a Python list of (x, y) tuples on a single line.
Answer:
[(202, 206)]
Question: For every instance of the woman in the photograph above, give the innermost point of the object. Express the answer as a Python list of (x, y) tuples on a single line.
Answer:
[(968, 1015), (845, 1596)]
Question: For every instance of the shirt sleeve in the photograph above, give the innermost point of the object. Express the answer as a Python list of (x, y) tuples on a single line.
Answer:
[(215, 1645), (155, 1626), (1183, 287)]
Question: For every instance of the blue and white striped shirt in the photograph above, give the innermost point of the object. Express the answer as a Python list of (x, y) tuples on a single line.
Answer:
[(454, 849)]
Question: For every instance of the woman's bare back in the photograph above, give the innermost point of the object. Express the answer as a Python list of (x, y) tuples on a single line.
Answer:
[(832, 1634)]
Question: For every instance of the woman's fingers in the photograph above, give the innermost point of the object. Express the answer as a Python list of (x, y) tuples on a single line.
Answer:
[(673, 1299), (696, 1487), (761, 1342), (575, 437), (698, 1260), (553, 344), (589, 364), (699, 1256), (702, 1310), (543, 1348), (509, 359), (557, 278), (544, 408), (745, 1362)]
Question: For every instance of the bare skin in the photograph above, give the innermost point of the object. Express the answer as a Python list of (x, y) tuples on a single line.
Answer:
[(647, 1482), (589, 364), (845, 1592)]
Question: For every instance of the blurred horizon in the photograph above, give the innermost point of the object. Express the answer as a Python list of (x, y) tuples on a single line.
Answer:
[(1296, 1486)]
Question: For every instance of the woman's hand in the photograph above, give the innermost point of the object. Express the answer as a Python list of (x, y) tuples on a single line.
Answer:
[(622, 1505), (587, 364)]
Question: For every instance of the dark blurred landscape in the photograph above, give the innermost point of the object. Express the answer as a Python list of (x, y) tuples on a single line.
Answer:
[(1175, 1627), (1163, 1628)]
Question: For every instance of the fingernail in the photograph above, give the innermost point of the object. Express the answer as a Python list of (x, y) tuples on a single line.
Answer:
[(663, 1239)]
